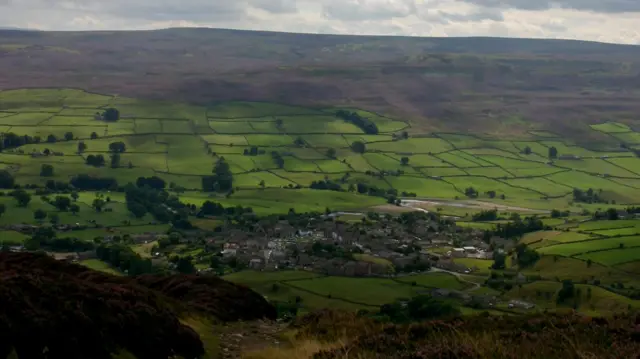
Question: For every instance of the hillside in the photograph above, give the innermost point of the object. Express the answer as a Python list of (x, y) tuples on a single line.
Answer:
[(480, 85), (51, 309)]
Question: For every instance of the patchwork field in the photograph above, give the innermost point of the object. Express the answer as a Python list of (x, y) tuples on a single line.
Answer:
[(182, 142)]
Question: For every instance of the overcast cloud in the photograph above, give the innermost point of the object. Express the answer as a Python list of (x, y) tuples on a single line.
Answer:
[(599, 20)]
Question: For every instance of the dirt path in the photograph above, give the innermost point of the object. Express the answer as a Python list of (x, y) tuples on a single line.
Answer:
[(240, 338), (460, 278), (415, 203)]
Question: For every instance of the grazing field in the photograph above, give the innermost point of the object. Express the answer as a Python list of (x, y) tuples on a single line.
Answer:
[(368, 291), (99, 265), (435, 280), (574, 248)]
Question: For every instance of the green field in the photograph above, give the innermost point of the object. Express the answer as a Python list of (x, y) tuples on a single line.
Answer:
[(99, 265)]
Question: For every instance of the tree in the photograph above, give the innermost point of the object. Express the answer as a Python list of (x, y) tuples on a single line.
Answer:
[(331, 153), (299, 142), (262, 184), (94, 135), (51, 139), (527, 150), (117, 147), (184, 265), (98, 204), (68, 136), (74, 208), (6, 179), (499, 261), (62, 203), (115, 160), (111, 115), (75, 196), (358, 147), (3, 208), (137, 209), (81, 147), (46, 170), (54, 219), (39, 215), (279, 122), (404, 161), (22, 197), (95, 160), (471, 192), (553, 152)]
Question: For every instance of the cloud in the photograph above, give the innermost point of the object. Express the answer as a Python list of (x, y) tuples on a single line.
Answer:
[(606, 6), (600, 20)]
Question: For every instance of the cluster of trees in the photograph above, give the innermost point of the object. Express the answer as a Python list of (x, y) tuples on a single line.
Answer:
[(124, 258), (253, 151), (95, 160), (518, 227), (210, 208), (46, 170), (526, 256), (6, 179), (87, 182), (588, 196), (483, 216), (46, 238), (611, 214), (277, 159), (418, 308), (111, 115), (553, 152), (326, 185), (153, 182), (358, 147), (222, 179), (368, 126), (559, 214)]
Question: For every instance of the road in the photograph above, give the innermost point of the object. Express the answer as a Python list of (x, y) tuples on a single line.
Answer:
[(460, 277), (415, 203)]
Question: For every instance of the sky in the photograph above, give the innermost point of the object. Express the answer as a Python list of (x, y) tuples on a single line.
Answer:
[(613, 21)]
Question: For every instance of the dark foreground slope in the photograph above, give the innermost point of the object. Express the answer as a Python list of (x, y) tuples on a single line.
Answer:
[(448, 84), (538, 336), (51, 309)]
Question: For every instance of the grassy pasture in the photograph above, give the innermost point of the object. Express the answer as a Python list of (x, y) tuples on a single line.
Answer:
[(536, 171), (231, 127), (480, 266), (66, 120), (602, 225), (422, 160), (256, 109), (367, 138), (301, 178), (264, 127), (382, 162), (147, 126), (251, 278), (493, 172), (85, 113), (370, 291), (598, 166), (564, 149), (435, 280), (100, 266), (318, 124), (358, 163), (25, 119), (574, 248), (326, 141), (613, 257), (412, 145), (512, 163), (332, 166), (611, 127), (120, 128), (628, 137), (229, 140), (424, 187), (541, 184), (631, 231), (536, 147), (585, 181), (457, 161), (269, 140), (542, 239), (631, 164), (442, 171), (294, 164), (12, 238), (483, 185), (176, 126)]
